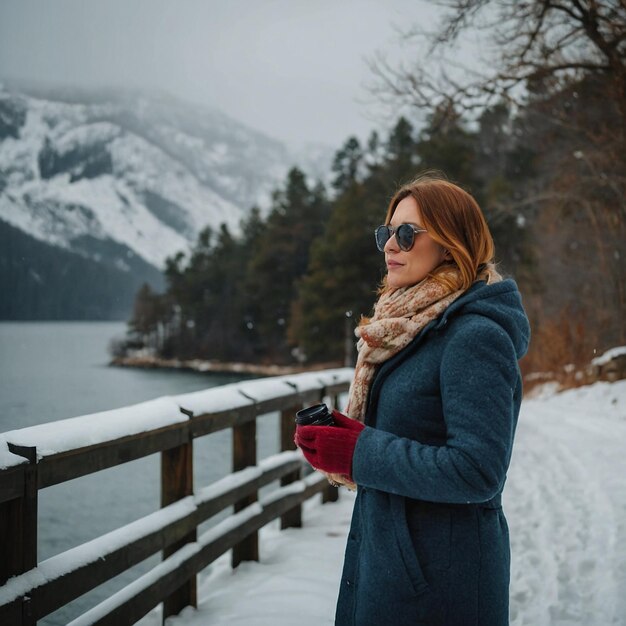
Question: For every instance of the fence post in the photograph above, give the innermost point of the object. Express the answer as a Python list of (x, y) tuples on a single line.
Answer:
[(244, 455), (177, 483), (18, 529), (293, 517)]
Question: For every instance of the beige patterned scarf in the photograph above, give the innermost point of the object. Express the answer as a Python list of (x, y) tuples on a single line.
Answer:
[(399, 315)]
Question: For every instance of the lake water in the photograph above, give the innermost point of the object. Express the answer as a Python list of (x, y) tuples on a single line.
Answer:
[(55, 370)]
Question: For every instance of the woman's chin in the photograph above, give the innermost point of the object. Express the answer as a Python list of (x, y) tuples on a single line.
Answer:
[(397, 282)]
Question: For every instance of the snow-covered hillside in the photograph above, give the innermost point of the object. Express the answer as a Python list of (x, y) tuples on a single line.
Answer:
[(145, 172)]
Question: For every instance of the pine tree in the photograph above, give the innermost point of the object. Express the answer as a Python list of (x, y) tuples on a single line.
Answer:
[(222, 327), (297, 217), (401, 157), (445, 145), (346, 164), (343, 273)]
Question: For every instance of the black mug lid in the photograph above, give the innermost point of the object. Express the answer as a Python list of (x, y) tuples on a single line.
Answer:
[(313, 412)]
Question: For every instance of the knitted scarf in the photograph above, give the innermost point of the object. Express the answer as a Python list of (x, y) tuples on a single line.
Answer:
[(399, 315)]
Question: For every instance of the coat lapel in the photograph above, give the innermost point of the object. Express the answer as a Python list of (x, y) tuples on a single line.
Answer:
[(387, 367)]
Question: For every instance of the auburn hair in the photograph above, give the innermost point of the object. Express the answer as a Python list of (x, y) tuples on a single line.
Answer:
[(454, 220)]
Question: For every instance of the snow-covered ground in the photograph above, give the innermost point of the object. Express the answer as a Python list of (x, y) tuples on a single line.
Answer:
[(566, 505)]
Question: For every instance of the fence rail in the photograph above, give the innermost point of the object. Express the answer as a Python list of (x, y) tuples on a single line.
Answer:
[(40, 456)]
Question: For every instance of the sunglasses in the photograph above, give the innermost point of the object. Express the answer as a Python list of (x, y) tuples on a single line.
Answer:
[(405, 235)]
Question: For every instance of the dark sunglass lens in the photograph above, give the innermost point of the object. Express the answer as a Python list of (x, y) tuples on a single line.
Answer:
[(405, 236), (382, 237)]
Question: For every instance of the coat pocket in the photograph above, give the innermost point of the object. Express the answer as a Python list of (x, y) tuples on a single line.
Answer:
[(430, 529), (405, 545)]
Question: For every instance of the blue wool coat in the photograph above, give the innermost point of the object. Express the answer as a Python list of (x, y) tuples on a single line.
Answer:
[(429, 543)]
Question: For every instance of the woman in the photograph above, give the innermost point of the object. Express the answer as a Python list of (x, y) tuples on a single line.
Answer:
[(434, 405)]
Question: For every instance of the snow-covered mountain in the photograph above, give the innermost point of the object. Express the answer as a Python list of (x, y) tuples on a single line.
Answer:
[(118, 175), (145, 172)]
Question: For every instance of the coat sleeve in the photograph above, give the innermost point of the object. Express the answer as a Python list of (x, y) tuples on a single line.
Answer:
[(478, 376)]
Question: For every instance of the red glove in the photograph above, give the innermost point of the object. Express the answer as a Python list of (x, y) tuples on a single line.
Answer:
[(330, 448)]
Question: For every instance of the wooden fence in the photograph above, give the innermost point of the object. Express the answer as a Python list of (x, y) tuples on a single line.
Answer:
[(40, 456)]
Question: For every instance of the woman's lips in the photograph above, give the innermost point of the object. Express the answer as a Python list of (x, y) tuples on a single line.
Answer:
[(391, 265)]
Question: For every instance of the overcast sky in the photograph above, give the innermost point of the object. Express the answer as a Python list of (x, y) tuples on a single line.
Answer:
[(294, 69)]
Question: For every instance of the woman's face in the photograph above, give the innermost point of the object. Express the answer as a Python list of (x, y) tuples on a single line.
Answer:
[(405, 269)]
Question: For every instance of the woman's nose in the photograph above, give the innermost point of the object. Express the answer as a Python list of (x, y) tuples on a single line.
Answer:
[(392, 244)]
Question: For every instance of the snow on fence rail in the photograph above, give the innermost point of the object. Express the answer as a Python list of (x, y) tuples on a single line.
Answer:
[(39, 456)]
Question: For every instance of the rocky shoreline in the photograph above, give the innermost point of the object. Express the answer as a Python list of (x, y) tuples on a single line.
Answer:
[(217, 367)]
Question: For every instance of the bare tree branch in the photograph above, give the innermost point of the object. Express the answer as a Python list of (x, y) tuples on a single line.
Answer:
[(536, 38)]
